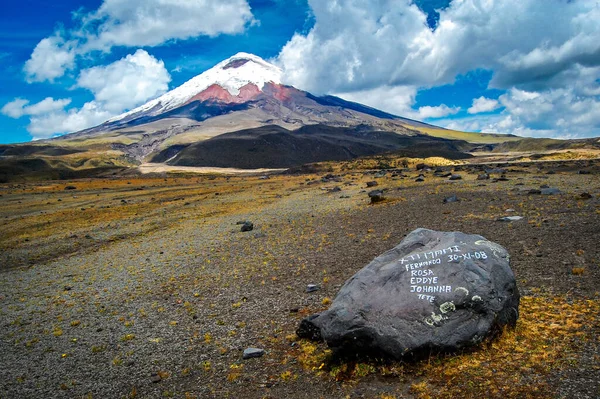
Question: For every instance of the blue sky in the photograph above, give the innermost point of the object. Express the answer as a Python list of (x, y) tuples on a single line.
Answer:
[(508, 66)]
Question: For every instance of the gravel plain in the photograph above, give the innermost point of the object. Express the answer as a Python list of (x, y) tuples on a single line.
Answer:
[(145, 287)]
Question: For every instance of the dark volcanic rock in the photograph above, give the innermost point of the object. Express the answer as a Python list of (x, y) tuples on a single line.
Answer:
[(371, 183), (435, 291), (247, 226), (376, 196)]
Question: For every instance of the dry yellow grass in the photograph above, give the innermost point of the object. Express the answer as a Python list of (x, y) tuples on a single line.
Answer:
[(514, 366)]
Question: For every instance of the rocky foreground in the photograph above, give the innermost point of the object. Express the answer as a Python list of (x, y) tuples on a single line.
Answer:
[(147, 287)]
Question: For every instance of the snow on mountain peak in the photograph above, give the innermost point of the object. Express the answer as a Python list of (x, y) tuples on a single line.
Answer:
[(231, 74)]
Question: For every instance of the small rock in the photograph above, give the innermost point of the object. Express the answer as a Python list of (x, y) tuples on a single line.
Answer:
[(510, 210), (372, 183), (509, 218), (312, 288), (455, 177), (534, 191), (419, 179), (452, 198), (376, 196), (336, 189), (250, 353), (483, 176), (70, 188), (259, 235), (585, 196), (247, 226), (155, 378), (550, 191), (584, 172)]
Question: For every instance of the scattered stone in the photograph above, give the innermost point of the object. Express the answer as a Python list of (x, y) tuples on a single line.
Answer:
[(372, 183), (534, 191), (550, 191), (312, 288), (250, 353), (70, 188), (419, 179), (452, 198), (509, 218), (444, 175), (455, 177), (544, 186), (155, 377), (421, 166), (436, 291), (336, 189), (483, 176), (585, 196), (247, 226), (510, 210), (584, 172), (376, 196), (501, 178), (264, 177)]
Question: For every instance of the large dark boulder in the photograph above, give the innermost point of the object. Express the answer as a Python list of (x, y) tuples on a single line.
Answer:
[(435, 291)]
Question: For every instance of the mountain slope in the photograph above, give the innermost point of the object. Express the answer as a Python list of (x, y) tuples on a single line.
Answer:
[(276, 147), (240, 108)]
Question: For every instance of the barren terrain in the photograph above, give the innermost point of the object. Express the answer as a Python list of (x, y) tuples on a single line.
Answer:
[(145, 286)]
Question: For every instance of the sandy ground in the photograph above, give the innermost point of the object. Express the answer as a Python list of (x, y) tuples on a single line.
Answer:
[(162, 168), (147, 288)]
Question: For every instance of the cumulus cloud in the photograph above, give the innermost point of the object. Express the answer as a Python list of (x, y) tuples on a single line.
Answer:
[(483, 104), (50, 59), (18, 107), (429, 112), (153, 22), (135, 23), (399, 100), (355, 45), (126, 83), (361, 46), (61, 121), (117, 87)]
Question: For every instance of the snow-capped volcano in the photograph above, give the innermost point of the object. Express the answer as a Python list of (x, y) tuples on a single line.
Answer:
[(238, 109), (236, 79)]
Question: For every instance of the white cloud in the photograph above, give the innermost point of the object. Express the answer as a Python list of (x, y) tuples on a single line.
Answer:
[(398, 100), (126, 83), (428, 112), (117, 87), (50, 59), (363, 46), (135, 23), (154, 22), (55, 123), (18, 107), (483, 104), (14, 109)]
